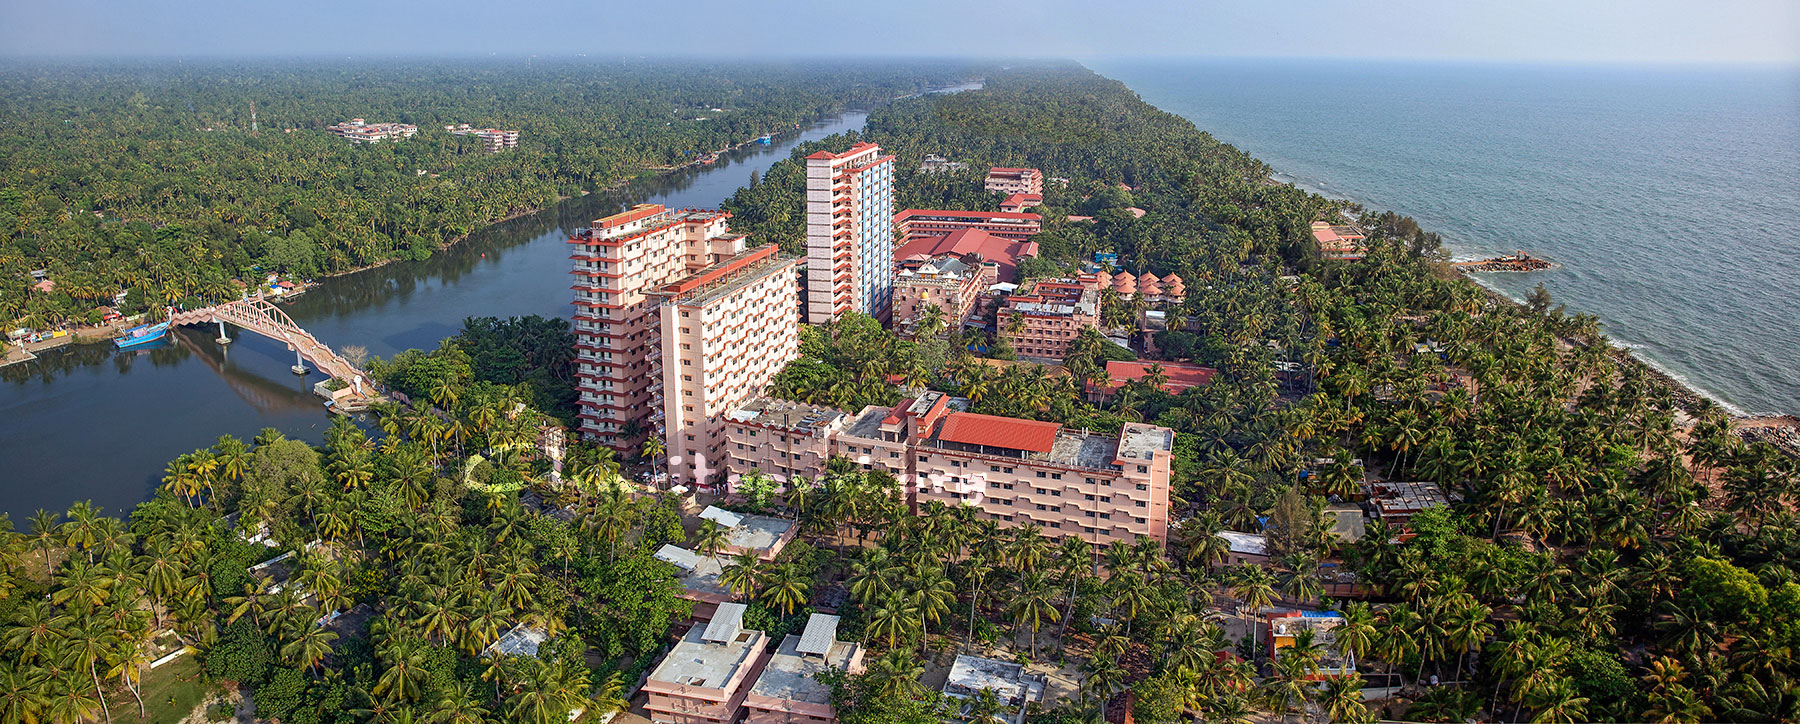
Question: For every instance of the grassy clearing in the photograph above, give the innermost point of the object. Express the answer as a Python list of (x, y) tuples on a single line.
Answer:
[(170, 693)]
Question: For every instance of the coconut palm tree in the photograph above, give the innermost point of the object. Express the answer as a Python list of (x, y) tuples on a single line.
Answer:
[(1033, 604), (309, 649), (744, 575), (710, 538), (787, 589), (894, 618)]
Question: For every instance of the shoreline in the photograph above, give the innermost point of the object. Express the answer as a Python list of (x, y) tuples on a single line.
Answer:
[(1687, 393)]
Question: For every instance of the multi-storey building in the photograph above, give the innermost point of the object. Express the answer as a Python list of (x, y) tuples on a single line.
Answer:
[(789, 690), (1004, 252), (361, 131), (727, 330), (618, 339), (947, 282), (1344, 243), (1015, 180), (1044, 320), (706, 676), (1019, 202), (780, 438), (495, 139), (914, 224), (1103, 488), (849, 233)]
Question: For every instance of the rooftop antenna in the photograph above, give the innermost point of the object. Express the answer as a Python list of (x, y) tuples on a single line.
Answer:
[(253, 118)]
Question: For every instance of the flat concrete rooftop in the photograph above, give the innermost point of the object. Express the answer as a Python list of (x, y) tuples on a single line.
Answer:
[(704, 664), (793, 676)]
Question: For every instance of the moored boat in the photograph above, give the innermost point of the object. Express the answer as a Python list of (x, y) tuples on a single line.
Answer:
[(141, 335)]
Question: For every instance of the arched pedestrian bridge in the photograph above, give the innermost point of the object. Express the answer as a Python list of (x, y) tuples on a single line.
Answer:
[(259, 315)]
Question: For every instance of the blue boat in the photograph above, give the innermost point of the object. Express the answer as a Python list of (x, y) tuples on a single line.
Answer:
[(141, 334)]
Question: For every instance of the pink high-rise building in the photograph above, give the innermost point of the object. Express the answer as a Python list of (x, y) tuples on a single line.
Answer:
[(727, 330), (849, 233), (618, 337)]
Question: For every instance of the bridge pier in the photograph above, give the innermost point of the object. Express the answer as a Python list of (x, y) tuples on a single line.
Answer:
[(222, 338), (299, 367)]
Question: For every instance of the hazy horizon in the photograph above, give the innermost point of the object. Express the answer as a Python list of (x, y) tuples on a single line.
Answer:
[(1613, 32)]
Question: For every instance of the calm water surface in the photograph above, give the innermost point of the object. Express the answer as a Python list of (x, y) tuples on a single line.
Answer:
[(1671, 197), (94, 423)]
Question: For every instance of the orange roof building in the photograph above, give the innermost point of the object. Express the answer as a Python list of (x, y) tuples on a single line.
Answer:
[(1180, 377)]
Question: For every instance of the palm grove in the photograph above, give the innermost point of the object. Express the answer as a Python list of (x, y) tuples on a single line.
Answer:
[(147, 177), (1602, 563)]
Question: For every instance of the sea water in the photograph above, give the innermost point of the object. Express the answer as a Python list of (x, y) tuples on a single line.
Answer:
[(1669, 196)]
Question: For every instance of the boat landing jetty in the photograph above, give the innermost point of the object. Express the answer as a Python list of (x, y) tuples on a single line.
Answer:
[(1515, 262)]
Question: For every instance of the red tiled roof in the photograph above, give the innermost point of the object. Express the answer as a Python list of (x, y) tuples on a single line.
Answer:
[(902, 216), (856, 149), (1022, 200), (635, 213), (1006, 432), (1005, 253), (1181, 376)]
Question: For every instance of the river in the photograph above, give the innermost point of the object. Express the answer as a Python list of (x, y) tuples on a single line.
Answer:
[(94, 423)]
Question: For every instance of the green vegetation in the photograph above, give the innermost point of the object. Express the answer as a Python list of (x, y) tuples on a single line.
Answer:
[(1600, 561), (148, 178)]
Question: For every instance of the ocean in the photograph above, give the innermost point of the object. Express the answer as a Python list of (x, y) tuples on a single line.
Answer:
[(1670, 197)]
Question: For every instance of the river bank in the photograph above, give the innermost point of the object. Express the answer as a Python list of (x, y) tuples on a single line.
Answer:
[(93, 422)]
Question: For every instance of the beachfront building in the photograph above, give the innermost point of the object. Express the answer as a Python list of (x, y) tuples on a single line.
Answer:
[(779, 438), (1344, 243), (496, 140), (1042, 320), (789, 690), (849, 233), (618, 262), (1014, 687), (1285, 626), (1101, 488), (1178, 377), (705, 678), (914, 224), (362, 131), (726, 331), (1015, 180), (950, 283)]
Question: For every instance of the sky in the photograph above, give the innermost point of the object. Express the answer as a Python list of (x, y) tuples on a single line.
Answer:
[(1553, 31)]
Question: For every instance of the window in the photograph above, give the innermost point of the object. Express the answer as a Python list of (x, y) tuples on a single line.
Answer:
[(1056, 476), (993, 468), (1142, 504), (921, 458), (1143, 469), (1141, 486), (1041, 474)]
